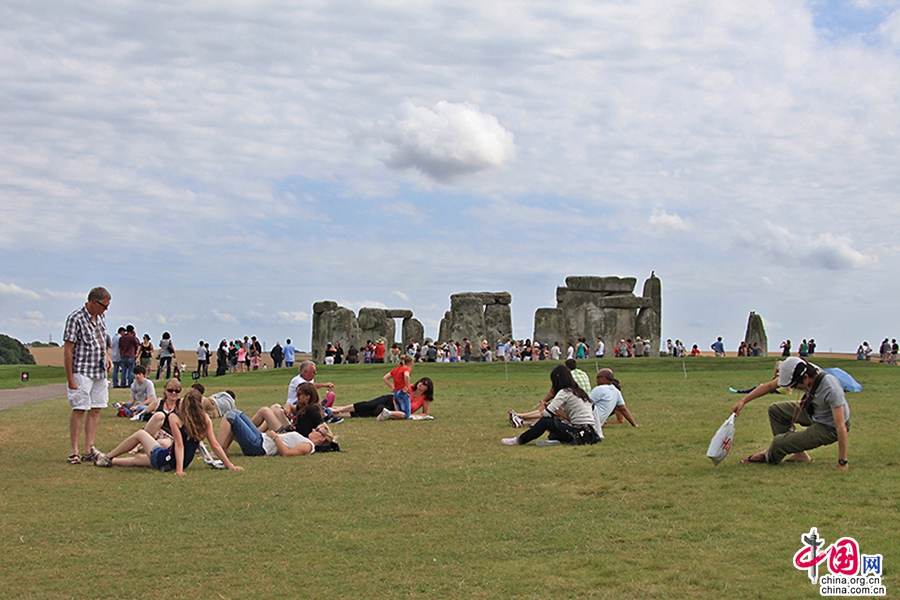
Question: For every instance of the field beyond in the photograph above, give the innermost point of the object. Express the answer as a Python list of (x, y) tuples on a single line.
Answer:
[(440, 509)]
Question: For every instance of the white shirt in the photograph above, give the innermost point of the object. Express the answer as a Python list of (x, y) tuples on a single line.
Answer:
[(291, 440), (292, 388)]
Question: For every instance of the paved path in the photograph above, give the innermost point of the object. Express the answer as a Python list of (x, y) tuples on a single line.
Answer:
[(10, 398)]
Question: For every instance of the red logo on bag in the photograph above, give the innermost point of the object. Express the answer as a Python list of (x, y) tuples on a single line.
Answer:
[(726, 445)]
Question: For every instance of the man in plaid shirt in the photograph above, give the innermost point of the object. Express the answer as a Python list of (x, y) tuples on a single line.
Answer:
[(87, 364)]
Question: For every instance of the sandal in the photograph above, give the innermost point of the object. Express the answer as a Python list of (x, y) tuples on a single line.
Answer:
[(90, 455), (73, 459), (750, 460)]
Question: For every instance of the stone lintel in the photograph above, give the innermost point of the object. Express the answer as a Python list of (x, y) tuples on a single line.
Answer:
[(609, 285)]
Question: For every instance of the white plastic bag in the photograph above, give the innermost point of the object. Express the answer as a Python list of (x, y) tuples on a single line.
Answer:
[(721, 442)]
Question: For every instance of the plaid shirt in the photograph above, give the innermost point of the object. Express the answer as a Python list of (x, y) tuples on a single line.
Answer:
[(581, 378), (89, 353)]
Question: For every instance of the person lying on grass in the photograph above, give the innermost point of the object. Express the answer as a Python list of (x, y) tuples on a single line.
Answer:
[(302, 416), (823, 411), (236, 426), (568, 398), (190, 426), (421, 395)]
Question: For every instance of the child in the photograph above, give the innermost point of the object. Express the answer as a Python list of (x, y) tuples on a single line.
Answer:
[(143, 395), (398, 381)]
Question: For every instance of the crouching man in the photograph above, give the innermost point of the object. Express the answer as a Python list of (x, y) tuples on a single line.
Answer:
[(823, 411)]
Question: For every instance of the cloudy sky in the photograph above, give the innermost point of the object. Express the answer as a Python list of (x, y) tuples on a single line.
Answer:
[(220, 166)]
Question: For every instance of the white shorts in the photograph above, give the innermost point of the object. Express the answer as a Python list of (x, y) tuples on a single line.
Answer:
[(91, 393)]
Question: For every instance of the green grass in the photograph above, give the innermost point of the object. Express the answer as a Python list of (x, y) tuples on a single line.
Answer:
[(441, 509), (11, 376)]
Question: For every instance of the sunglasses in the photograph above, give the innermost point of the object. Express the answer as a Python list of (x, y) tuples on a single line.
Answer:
[(173, 391)]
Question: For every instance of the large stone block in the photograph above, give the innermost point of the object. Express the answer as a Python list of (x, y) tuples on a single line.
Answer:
[(605, 285), (324, 305), (497, 322), (573, 299), (549, 326), (374, 323), (756, 332), (399, 313), (413, 330), (336, 325)]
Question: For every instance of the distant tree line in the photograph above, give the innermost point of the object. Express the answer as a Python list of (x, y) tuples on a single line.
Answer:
[(37, 344), (12, 352)]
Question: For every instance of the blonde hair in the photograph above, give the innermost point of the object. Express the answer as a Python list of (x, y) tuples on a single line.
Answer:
[(210, 408), (326, 432), (406, 359)]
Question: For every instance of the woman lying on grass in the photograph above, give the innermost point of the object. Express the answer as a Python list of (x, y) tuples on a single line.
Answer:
[(302, 416), (421, 395), (568, 398), (189, 427), (236, 426)]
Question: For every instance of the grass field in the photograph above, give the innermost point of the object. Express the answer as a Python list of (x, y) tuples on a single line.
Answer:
[(441, 509)]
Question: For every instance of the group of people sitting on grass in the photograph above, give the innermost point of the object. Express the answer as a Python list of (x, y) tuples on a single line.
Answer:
[(176, 427), (569, 413)]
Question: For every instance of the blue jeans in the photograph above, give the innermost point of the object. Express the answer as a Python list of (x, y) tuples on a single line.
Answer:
[(127, 372), (401, 402), (117, 368), (245, 433)]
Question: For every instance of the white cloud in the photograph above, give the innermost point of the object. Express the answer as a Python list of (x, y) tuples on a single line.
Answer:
[(224, 317), (663, 224), (36, 314), (11, 290), (447, 141), (67, 295), (824, 250), (292, 316), (401, 295)]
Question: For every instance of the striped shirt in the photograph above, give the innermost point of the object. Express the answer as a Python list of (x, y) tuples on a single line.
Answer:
[(89, 352)]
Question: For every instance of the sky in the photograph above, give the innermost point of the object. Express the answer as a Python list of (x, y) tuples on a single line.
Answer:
[(221, 166)]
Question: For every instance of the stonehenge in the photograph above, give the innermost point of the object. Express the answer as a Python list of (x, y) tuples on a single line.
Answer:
[(587, 306), (604, 307)]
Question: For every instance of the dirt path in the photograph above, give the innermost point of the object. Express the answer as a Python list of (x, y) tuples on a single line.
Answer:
[(10, 398)]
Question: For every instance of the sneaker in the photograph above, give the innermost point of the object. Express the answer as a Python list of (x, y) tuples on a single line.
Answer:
[(510, 441), (515, 420), (136, 417), (335, 420), (102, 460), (732, 390), (384, 416), (547, 443)]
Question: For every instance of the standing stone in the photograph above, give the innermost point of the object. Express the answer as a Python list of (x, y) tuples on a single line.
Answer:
[(649, 320), (412, 330), (756, 333), (549, 326), (497, 323)]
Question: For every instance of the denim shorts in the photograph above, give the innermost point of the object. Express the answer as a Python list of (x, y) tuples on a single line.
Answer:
[(162, 459)]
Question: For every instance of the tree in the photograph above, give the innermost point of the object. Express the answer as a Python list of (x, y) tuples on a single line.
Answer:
[(12, 352)]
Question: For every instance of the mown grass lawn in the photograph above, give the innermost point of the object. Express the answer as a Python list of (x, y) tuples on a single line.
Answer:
[(441, 509)]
